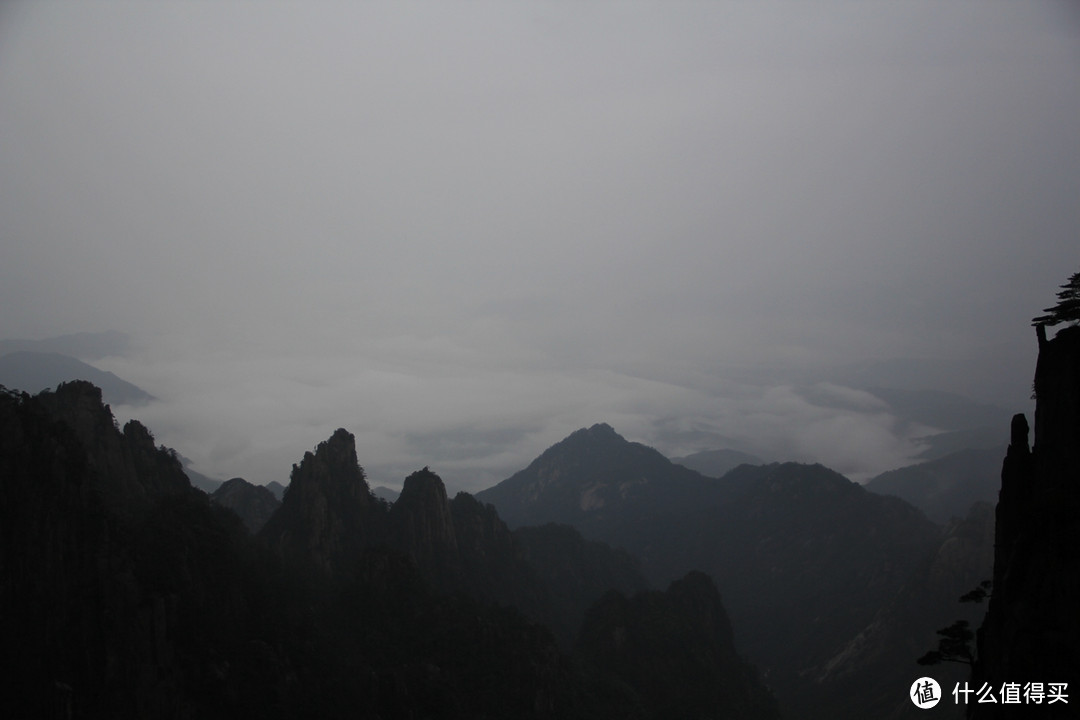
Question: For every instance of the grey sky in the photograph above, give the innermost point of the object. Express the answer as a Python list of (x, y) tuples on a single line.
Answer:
[(463, 230)]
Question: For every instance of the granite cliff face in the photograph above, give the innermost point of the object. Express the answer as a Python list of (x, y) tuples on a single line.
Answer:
[(423, 527), (328, 513), (109, 565), (1032, 628)]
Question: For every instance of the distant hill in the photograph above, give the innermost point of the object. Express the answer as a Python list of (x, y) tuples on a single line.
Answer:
[(33, 372), (594, 480), (254, 504), (717, 463), (85, 346), (946, 487), (803, 557), (203, 482), (388, 494)]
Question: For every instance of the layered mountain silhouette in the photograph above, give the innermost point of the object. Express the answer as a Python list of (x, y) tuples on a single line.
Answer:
[(33, 371), (596, 480), (946, 487), (127, 593), (808, 562)]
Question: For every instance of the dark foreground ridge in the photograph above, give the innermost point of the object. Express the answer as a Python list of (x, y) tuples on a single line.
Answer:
[(1032, 629), (126, 593)]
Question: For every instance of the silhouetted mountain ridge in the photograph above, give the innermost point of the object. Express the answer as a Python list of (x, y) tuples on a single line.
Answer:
[(34, 371), (595, 478), (127, 594), (804, 557)]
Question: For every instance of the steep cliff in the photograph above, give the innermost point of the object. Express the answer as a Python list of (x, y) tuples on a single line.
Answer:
[(114, 574), (1032, 628), (328, 513), (423, 527)]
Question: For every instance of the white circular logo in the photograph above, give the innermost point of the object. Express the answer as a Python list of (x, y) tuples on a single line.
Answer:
[(925, 693)]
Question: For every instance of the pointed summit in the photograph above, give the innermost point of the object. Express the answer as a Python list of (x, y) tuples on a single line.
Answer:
[(327, 511), (592, 477)]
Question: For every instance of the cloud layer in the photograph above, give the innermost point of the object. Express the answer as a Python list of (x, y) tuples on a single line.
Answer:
[(462, 231)]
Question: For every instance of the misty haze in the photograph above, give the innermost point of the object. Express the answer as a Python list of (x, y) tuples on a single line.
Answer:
[(646, 360)]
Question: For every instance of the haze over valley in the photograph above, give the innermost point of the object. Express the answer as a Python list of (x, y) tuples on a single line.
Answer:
[(463, 232)]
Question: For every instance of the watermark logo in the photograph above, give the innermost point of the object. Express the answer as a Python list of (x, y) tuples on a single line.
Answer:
[(925, 693)]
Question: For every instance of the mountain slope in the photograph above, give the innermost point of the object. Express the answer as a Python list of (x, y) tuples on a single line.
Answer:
[(804, 557), (945, 488), (35, 371), (594, 479)]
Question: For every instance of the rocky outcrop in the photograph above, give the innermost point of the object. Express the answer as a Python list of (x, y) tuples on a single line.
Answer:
[(674, 651), (328, 514), (253, 504), (422, 526), (110, 565), (129, 469), (1032, 628)]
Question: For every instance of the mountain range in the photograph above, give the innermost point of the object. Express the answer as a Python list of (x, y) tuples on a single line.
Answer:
[(603, 580), (128, 593), (805, 560), (33, 371)]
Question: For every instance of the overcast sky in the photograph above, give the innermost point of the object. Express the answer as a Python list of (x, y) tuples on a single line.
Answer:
[(462, 230)]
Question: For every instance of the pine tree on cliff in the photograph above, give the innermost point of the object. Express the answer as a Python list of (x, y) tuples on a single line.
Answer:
[(1068, 306)]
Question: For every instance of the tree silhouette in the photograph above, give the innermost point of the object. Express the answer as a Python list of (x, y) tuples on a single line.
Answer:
[(954, 646), (1068, 305), (955, 643)]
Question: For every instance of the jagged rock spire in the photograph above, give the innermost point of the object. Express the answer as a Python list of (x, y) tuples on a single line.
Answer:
[(328, 510)]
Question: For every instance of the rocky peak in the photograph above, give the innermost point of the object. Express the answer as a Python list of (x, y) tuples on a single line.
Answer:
[(599, 436), (424, 526), (1032, 630), (592, 477), (129, 468), (333, 472), (328, 512)]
